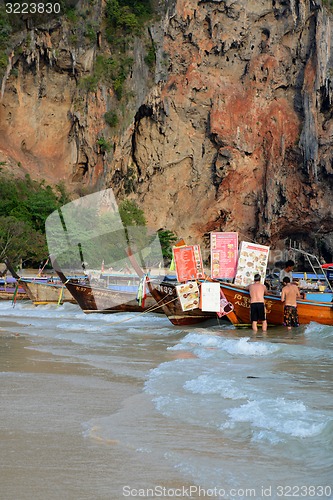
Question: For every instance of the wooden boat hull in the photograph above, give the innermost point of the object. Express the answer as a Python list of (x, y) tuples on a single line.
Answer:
[(165, 294), (308, 310), (7, 293), (41, 292), (93, 299), (46, 293)]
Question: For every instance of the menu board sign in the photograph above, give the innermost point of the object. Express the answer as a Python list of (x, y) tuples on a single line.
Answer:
[(188, 263), (210, 297), (188, 294), (223, 254), (252, 260)]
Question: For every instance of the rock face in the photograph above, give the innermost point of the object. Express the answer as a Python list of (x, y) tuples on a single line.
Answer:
[(238, 135), (235, 134), (40, 120), (52, 122)]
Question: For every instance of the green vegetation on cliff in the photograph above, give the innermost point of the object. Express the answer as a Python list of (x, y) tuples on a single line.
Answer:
[(126, 17), (119, 21), (24, 206), (167, 240), (328, 3), (5, 34)]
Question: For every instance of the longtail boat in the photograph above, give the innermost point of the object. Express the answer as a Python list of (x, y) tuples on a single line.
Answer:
[(95, 298), (239, 297), (42, 290), (164, 292), (46, 292), (308, 310), (10, 289)]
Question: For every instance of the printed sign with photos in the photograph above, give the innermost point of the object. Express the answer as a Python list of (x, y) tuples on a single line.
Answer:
[(252, 260), (188, 294), (223, 254), (188, 262)]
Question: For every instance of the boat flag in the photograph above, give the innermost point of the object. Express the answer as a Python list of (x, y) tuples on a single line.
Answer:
[(15, 295), (142, 292)]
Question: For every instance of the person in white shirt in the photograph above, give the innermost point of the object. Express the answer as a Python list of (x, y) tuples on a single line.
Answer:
[(287, 272)]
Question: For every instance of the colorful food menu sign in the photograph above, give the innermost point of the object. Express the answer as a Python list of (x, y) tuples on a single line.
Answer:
[(223, 253), (252, 260), (188, 263), (188, 294)]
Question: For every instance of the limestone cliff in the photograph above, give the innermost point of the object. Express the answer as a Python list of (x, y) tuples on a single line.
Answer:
[(54, 96), (239, 135), (235, 133)]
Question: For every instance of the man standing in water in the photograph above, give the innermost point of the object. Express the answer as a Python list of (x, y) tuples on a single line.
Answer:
[(258, 313), (290, 294)]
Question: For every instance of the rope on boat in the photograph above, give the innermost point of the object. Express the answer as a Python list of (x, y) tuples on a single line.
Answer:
[(60, 296), (42, 269)]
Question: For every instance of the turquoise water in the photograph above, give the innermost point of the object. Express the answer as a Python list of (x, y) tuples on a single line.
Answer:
[(127, 405)]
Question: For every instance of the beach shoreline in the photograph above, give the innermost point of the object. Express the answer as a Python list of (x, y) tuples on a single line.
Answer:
[(51, 428)]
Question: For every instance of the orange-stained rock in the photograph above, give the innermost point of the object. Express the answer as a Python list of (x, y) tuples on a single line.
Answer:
[(232, 137), (235, 134)]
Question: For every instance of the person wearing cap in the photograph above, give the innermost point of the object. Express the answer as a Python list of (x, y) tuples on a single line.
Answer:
[(257, 303)]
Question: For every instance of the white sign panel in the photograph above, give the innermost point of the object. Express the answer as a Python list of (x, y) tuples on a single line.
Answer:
[(210, 297)]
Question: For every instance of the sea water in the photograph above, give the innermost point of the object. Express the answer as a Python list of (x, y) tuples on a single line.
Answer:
[(129, 406)]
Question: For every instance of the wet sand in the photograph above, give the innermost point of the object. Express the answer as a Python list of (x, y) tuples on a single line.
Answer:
[(51, 447)]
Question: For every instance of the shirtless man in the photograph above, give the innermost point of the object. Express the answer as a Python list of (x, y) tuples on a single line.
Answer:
[(258, 313), (290, 294)]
